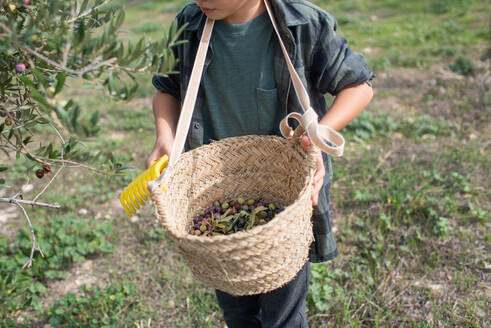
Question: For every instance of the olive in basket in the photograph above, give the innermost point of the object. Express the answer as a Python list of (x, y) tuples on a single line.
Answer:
[(230, 216)]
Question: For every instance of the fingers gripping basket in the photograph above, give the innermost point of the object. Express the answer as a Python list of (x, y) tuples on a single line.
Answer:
[(267, 167), (270, 168)]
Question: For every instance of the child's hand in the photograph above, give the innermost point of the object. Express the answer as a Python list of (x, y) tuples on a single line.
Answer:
[(160, 148), (319, 174)]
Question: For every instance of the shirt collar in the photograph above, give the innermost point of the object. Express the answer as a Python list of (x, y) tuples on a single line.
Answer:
[(281, 8)]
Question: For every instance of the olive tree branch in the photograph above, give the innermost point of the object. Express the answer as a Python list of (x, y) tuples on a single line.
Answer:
[(14, 200), (35, 246), (86, 69), (62, 154), (88, 12), (69, 43), (49, 183), (44, 160)]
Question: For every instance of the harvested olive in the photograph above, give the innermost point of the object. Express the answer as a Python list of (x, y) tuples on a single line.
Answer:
[(230, 216)]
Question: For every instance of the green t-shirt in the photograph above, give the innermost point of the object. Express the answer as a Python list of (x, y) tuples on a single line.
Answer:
[(239, 85)]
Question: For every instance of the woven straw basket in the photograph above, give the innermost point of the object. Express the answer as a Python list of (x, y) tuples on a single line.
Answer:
[(270, 168)]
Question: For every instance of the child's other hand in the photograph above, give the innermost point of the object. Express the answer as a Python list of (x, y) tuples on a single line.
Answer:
[(319, 174), (160, 148)]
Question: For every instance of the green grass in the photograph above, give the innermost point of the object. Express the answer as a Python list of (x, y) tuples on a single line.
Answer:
[(410, 197), (64, 242), (412, 33), (94, 307)]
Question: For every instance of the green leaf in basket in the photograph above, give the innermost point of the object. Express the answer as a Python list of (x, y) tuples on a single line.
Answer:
[(252, 218), (220, 226), (259, 209), (224, 219), (234, 222), (255, 215)]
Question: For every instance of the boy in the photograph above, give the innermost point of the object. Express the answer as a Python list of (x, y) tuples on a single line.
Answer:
[(246, 89)]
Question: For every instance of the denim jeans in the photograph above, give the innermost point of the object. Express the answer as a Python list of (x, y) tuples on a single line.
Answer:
[(281, 308)]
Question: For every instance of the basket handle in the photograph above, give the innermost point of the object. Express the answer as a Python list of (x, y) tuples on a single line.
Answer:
[(323, 136), (191, 93), (188, 104)]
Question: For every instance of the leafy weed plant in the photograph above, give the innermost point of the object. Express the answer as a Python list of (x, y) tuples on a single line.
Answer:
[(93, 307), (64, 241), (367, 126)]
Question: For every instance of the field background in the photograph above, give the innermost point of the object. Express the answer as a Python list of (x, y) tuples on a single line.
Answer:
[(410, 198)]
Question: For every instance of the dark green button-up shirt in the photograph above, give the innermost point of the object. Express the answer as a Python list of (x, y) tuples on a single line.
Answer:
[(323, 61)]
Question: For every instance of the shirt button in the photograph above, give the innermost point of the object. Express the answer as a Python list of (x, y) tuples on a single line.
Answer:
[(196, 125)]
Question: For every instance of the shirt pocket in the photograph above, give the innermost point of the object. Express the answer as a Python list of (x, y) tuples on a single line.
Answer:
[(268, 109)]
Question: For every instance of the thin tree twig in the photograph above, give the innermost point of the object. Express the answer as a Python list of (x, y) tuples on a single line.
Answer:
[(44, 160), (49, 183), (35, 246), (63, 165), (17, 195), (13, 200), (49, 61), (69, 43), (86, 69), (88, 12)]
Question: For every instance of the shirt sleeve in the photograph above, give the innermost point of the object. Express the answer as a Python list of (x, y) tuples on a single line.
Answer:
[(169, 83), (334, 66)]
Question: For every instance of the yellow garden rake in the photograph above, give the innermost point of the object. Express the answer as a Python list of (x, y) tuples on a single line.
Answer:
[(135, 194)]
